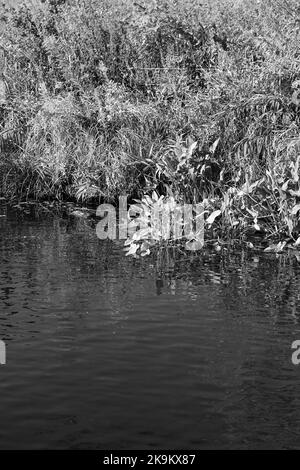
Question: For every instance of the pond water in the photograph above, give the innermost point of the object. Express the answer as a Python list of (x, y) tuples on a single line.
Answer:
[(108, 352)]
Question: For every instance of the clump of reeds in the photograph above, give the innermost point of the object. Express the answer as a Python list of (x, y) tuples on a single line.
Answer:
[(199, 100)]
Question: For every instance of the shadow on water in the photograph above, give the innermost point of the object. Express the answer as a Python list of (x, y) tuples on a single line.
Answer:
[(104, 351)]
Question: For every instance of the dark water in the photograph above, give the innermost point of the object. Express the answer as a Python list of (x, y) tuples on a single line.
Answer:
[(109, 352)]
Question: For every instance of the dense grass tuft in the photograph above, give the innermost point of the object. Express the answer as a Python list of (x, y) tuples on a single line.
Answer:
[(197, 99)]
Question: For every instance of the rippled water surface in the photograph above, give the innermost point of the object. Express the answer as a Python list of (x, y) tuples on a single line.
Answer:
[(109, 352)]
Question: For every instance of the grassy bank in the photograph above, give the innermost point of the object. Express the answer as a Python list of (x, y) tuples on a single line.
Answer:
[(194, 99)]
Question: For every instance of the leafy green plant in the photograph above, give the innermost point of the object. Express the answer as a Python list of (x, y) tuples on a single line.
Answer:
[(195, 101)]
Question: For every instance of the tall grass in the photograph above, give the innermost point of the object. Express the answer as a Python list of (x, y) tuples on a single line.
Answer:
[(189, 97)]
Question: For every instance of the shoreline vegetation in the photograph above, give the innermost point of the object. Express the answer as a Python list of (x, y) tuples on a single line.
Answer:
[(193, 100)]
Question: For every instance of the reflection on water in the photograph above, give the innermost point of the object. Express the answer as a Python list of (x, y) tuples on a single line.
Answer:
[(109, 352)]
